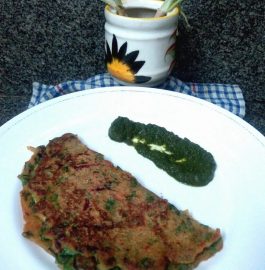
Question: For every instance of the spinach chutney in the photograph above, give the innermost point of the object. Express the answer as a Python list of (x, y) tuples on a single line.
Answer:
[(182, 159)]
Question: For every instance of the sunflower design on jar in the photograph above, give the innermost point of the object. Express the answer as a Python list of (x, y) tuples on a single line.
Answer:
[(123, 65)]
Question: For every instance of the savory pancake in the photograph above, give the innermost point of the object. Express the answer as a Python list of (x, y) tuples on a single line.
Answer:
[(90, 214)]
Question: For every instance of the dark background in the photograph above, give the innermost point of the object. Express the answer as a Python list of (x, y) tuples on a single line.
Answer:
[(51, 41)]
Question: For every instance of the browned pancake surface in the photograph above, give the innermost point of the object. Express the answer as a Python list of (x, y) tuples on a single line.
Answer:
[(92, 215)]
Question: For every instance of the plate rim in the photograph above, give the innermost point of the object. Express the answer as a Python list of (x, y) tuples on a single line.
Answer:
[(116, 89)]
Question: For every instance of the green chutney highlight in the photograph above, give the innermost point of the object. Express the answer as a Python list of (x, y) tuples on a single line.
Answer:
[(182, 159)]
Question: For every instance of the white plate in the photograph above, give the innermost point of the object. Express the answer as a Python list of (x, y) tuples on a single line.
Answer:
[(234, 201)]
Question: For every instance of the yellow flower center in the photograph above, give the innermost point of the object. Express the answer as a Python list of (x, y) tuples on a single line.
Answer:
[(120, 70)]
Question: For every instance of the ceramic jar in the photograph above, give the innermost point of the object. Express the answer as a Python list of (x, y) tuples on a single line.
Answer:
[(140, 49)]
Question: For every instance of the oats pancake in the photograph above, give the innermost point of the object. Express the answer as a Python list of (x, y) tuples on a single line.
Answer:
[(90, 214)]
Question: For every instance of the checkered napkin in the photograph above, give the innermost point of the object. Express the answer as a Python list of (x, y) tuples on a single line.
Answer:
[(226, 96)]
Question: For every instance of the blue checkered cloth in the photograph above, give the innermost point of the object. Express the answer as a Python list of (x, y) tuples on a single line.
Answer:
[(229, 97)]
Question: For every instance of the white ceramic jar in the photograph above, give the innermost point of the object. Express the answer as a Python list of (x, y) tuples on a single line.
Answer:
[(140, 49)]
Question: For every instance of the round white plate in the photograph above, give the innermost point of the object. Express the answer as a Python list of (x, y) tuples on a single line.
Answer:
[(234, 201)]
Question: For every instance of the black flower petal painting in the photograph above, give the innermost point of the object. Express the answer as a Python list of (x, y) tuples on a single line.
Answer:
[(123, 65)]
